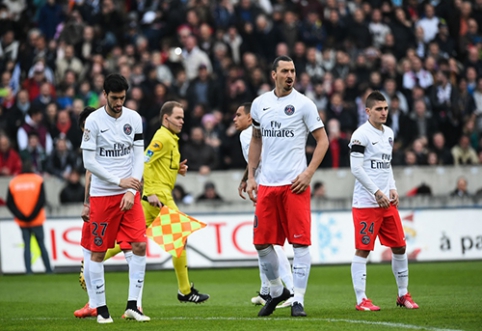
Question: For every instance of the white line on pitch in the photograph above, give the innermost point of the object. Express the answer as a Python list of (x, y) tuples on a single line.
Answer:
[(332, 320)]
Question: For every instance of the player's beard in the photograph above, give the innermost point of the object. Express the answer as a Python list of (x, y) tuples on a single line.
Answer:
[(112, 109), (287, 87)]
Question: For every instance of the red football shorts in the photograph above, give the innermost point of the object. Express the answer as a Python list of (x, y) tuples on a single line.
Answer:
[(109, 224), (280, 215), (86, 238), (372, 222)]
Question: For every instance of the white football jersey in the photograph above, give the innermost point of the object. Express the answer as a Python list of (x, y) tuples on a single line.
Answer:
[(245, 139), (376, 147), (285, 124), (113, 140)]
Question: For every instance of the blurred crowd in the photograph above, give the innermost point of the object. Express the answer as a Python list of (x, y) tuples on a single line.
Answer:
[(425, 56)]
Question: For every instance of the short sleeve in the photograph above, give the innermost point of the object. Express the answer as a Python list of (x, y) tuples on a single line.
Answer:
[(89, 138), (311, 117)]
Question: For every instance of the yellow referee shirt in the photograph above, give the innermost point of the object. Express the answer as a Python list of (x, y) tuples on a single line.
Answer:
[(161, 162)]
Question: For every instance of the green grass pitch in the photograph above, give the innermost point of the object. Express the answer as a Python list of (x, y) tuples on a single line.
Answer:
[(448, 294)]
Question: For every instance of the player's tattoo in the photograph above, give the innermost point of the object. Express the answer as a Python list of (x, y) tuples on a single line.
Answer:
[(256, 133), (245, 175)]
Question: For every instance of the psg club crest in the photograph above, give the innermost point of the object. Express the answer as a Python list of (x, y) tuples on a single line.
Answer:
[(289, 110), (127, 129), (365, 240), (98, 241), (390, 141)]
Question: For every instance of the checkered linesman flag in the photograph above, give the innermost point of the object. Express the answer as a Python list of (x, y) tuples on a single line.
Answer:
[(171, 228)]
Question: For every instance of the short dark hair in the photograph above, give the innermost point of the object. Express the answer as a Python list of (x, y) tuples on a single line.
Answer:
[(34, 110), (115, 83), (84, 114), (247, 107), (374, 97), (168, 107), (280, 58)]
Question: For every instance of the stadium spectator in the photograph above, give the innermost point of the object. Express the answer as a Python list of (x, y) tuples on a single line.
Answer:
[(46, 96), (33, 84), (10, 162), (62, 160), (34, 124), (429, 23), (319, 191), (8, 48), (402, 29), (421, 123), (337, 155), (15, 116), (49, 17), (68, 62), (378, 29), (463, 153), (390, 90), (73, 191), (209, 193), (460, 188), (346, 116), (201, 156), (34, 153), (181, 196), (444, 156), (204, 89), (417, 76), (359, 32)]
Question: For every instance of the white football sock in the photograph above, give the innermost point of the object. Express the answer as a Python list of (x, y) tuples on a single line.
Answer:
[(87, 254), (264, 280), (268, 259), (137, 271), (400, 271), (284, 268), (128, 256), (301, 272), (98, 283), (359, 277)]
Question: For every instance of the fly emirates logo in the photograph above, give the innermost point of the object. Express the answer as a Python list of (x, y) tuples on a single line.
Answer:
[(384, 164), (275, 130), (119, 150)]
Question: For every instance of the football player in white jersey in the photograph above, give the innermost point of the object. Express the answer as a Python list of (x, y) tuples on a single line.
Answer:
[(112, 150), (375, 202), (282, 120), (242, 122)]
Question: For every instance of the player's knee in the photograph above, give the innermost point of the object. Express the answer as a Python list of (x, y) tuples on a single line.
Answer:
[(399, 250), (261, 247), (139, 248), (97, 256), (362, 253)]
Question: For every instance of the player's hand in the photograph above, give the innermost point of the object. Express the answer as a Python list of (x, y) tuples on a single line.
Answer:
[(301, 183), (252, 189), (242, 188), (382, 199), (130, 182), (182, 168), (394, 197), (154, 201), (127, 201), (85, 214)]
